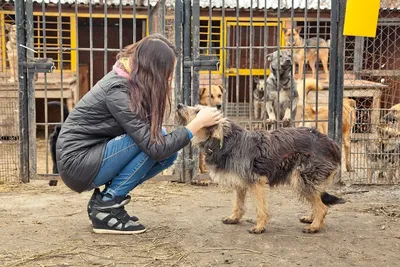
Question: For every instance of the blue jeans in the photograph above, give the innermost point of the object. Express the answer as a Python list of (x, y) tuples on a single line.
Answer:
[(125, 166)]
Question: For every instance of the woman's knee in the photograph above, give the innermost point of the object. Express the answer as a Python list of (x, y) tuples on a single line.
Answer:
[(169, 161)]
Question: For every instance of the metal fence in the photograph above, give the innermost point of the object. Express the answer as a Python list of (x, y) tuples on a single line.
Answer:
[(223, 50), (9, 112), (372, 79)]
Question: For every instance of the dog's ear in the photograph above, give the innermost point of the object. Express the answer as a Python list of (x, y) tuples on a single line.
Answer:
[(256, 80), (222, 88), (284, 30), (202, 90), (218, 133), (298, 29), (269, 57)]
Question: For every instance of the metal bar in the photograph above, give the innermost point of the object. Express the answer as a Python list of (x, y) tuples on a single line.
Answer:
[(46, 110), (209, 37), (149, 15), (120, 26), (278, 80), (262, 116), (77, 45), (340, 74), (163, 16), (31, 92), (317, 64), (238, 50), (178, 68), (251, 66), (222, 56), (186, 78), (91, 43), (23, 96), (105, 38), (196, 76), (117, 49), (61, 67), (134, 22), (294, 64), (187, 51)]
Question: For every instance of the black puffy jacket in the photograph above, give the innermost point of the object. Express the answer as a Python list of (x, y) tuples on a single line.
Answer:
[(102, 114)]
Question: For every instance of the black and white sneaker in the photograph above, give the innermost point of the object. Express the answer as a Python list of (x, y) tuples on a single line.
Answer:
[(110, 217), (95, 195)]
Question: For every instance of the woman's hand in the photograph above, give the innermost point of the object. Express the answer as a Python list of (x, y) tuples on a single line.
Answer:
[(206, 117)]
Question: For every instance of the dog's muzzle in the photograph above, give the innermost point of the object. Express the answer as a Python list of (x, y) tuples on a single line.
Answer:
[(180, 106), (219, 106)]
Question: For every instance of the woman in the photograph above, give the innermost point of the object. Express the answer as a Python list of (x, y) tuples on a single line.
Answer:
[(114, 135)]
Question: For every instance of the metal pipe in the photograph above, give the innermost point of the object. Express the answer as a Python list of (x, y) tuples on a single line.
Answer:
[(31, 91), (23, 96)]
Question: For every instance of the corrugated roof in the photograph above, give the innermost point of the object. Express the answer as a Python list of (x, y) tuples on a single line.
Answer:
[(284, 4), (243, 4)]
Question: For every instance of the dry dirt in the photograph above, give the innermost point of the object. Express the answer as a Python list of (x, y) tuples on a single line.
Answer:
[(48, 226)]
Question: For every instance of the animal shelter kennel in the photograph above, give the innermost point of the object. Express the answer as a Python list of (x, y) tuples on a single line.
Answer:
[(221, 43)]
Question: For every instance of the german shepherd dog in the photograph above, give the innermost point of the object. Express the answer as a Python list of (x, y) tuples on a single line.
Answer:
[(280, 66), (293, 38), (301, 157)]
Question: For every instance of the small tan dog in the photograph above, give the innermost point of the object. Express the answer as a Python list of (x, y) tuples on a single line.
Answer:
[(210, 96), (348, 121), (293, 38), (12, 55)]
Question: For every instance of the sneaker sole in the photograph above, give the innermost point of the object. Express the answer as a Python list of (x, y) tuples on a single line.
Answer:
[(117, 232), (92, 224)]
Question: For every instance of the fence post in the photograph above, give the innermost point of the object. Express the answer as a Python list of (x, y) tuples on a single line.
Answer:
[(336, 74), (187, 84), (23, 93), (31, 91), (196, 76)]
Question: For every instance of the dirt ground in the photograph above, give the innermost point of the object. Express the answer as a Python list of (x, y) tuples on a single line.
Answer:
[(48, 226)]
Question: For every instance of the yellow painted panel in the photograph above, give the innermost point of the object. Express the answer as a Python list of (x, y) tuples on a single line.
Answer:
[(361, 18)]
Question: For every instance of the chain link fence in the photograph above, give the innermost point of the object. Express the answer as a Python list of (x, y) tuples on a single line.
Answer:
[(372, 80), (9, 107)]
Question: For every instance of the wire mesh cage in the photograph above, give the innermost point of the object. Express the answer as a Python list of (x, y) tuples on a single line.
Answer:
[(9, 106)]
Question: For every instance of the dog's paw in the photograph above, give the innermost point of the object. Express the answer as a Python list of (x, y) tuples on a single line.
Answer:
[(230, 221), (310, 230), (306, 219), (256, 230), (200, 182)]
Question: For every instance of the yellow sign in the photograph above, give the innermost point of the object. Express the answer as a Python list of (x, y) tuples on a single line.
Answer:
[(361, 18)]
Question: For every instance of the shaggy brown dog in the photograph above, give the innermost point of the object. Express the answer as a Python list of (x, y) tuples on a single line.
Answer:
[(210, 96), (301, 157), (348, 121)]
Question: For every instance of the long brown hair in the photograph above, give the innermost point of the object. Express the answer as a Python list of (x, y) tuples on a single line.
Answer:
[(152, 66)]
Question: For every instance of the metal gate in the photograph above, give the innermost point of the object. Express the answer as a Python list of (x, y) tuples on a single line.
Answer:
[(227, 42)]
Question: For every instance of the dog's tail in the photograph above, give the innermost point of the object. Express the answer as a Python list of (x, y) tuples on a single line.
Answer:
[(329, 199), (303, 88), (309, 113), (58, 104)]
